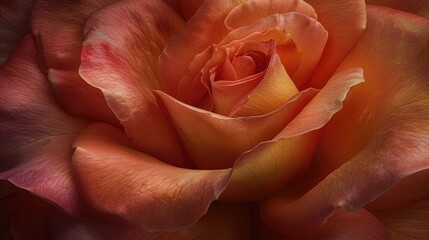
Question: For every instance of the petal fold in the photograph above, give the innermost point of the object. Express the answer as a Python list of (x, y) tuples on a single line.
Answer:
[(119, 57), (36, 133), (150, 194)]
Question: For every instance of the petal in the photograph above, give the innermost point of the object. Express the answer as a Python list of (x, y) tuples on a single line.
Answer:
[(418, 7), (60, 54), (269, 166), (382, 136), (36, 133), (189, 7), (14, 25), (193, 39), (360, 225), (240, 17), (119, 57), (408, 222), (214, 141), (137, 187), (345, 21)]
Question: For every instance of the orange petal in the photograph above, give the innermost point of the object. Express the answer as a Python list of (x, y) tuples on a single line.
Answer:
[(345, 21), (148, 193), (121, 62), (418, 7), (269, 166), (214, 141)]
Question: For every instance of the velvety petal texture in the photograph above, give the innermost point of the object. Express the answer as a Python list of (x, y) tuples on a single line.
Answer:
[(14, 25), (59, 54), (147, 192), (36, 133), (119, 57), (379, 137)]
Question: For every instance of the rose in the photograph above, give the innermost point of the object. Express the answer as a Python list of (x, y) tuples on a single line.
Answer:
[(277, 148)]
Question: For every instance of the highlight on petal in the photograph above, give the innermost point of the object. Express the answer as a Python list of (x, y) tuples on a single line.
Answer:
[(408, 222), (381, 136), (59, 54), (148, 193), (14, 25), (232, 219), (345, 21), (269, 166), (418, 7), (36, 133), (352, 225), (119, 57)]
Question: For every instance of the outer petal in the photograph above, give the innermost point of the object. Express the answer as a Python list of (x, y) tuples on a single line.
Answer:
[(409, 222), (60, 54), (139, 188), (14, 25), (269, 166), (36, 133), (231, 219), (119, 57), (389, 127), (418, 7), (345, 21)]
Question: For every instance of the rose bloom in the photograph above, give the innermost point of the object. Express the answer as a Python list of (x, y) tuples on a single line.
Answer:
[(223, 119)]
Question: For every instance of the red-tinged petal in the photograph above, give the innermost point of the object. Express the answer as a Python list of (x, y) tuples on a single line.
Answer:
[(119, 57), (149, 193), (193, 39), (358, 225), (345, 21), (269, 166), (222, 221), (382, 132), (14, 25), (273, 91), (418, 7), (214, 141), (409, 222), (60, 54), (240, 17), (189, 7), (36, 133), (28, 214)]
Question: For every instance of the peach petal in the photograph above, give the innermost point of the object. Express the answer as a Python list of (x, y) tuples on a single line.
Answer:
[(345, 21), (270, 165), (61, 58), (14, 25), (121, 62), (150, 194), (240, 17), (214, 141), (36, 133)]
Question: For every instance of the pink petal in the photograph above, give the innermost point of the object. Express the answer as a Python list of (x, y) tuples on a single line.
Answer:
[(240, 17), (60, 54), (382, 132), (14, 25), (408, 222), (214, 141), (345, 21), (360, 225), (232, 219), (36, 133), (418, 7), (150, 194), (119, 57), (270, 165)]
